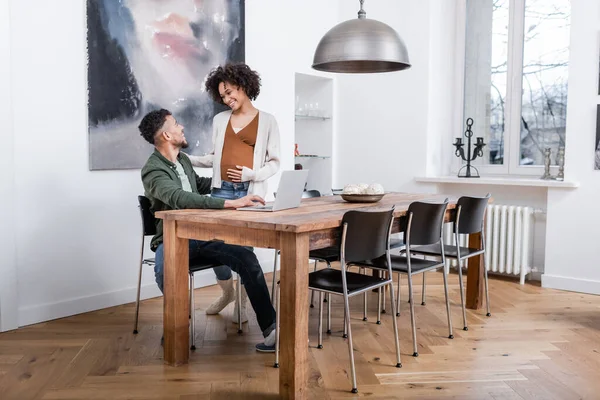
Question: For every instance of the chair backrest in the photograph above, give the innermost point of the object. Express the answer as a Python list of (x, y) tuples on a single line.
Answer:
[(367, 234), (472, 212), (307, 194), (425, 221), (148, 221)]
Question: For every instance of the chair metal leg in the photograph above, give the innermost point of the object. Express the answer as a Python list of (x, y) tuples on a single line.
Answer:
[(395, 325), (462, 295), (423, 290), (190, 302), (345, 334), (487, 293), (383, 292), (276, 365), (275, 262), (192, 313), (326, 299), (450, 335), (312, 294), (412, 316), (364, 271), (350, 349), (328, 313), (320, 345), (239, 300), (379, 306), (137, 299), (365, 307), (398, 298)]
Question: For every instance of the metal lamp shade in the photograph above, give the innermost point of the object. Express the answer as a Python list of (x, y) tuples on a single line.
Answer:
[(361, 46)]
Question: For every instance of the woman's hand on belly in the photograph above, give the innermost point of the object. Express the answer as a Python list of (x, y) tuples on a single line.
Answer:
[(235, 174)]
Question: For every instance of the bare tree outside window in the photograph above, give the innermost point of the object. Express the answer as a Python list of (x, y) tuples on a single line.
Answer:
[(486, 51), (545, 73), (500, 32)]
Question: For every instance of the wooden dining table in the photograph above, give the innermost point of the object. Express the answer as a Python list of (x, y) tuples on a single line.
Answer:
[(313, 225)]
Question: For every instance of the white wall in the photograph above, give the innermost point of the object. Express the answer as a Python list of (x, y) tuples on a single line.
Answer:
[(77, 239), (390, 124), (8, 268), (383, 118), (444, 112), (574, 216)]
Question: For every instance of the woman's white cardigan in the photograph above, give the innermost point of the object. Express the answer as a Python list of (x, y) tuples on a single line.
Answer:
[(266, 153)]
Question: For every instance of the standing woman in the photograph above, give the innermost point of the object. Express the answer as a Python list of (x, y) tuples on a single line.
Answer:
[(245, 152)]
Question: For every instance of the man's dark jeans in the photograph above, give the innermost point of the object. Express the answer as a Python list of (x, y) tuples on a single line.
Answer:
[(242, 261)]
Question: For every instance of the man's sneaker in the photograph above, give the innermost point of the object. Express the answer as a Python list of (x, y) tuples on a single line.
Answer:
[(268, 346), (263, 348)]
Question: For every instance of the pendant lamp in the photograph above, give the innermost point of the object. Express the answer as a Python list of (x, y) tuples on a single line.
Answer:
[(361, 46)]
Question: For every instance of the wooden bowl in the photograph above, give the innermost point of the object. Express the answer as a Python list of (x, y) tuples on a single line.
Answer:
[(362, 198)]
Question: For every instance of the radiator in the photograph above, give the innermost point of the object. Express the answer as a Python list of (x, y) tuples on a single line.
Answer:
[(508, 240)]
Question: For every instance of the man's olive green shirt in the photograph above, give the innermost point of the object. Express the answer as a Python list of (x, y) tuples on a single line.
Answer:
[(164, 189)]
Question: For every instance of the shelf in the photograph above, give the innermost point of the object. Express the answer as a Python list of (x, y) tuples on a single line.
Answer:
[(311, 156), (310, 118), (499, 180)]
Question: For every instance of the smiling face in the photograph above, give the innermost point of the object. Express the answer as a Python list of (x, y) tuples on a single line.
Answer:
[(232, 96), (172, 132)]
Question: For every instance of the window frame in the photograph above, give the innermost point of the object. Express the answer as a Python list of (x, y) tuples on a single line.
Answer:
[(512, 135)]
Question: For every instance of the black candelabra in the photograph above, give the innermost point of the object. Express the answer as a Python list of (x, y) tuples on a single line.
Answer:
[(460, 151)]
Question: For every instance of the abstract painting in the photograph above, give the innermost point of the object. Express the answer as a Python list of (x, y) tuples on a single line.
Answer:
[(149, 54)]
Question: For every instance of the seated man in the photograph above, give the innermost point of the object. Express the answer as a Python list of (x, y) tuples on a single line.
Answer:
[(171, 183)]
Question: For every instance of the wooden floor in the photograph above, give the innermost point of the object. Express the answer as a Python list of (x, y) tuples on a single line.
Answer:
[(538, 344)]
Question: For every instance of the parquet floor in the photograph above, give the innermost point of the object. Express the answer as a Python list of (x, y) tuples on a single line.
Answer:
[(538, 344)]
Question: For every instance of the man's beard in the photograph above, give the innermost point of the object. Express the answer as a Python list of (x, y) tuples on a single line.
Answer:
[(185, 145)]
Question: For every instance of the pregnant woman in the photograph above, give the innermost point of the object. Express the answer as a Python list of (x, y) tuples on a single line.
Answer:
[(245, 152)]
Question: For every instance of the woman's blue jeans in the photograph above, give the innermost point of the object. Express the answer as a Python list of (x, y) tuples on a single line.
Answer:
[(228, 191)]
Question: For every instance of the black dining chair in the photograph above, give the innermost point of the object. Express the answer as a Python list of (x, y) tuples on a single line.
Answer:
[(422, 225), (365, 236), (149, 229), (468, 219), (329, 255)]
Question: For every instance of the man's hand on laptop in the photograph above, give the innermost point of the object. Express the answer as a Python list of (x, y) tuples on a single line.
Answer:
[(246, 201)]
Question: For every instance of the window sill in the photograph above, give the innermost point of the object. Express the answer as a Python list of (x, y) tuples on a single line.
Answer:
[(500, 180)]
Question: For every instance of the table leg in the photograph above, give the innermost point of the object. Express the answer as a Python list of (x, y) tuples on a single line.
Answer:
[(176, 294), (293, 373), (475, 281)]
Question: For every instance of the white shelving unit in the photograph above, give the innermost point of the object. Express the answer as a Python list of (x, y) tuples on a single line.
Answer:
[(314, 129)]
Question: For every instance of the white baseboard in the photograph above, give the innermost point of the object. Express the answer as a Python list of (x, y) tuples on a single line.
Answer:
[(65, 308), (571, 284)]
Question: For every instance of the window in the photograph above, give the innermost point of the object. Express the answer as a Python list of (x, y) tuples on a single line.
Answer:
[(515, 80)]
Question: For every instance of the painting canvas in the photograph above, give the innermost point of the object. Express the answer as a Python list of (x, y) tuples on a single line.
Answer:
[(150, 54)]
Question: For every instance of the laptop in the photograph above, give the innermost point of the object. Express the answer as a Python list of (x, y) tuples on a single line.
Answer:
[(289, 193)]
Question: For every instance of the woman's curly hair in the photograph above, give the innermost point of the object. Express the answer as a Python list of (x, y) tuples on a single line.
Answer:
[(237, 74)]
